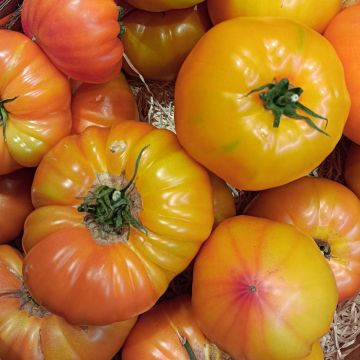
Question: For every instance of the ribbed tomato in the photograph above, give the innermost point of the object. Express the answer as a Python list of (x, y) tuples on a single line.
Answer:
[(262, 290), (103, 104), (15, 202), (106, 242), (329, 213), (35, 103), (30, 332), (80, 37), (260, 111)]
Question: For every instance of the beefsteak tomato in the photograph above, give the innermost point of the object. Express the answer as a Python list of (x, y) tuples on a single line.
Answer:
[(271, 295), (256, 141), (15, 202), (315, 14), (163, 5), (329, 213), (34, 103), (30, 332), (158, 43), (352, 169), (79, 37), (104, 239), (103, 104)]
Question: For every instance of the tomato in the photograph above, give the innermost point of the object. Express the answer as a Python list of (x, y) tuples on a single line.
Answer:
[(329, 213), (35, 103), (344, 34), (163, 5), (223, 200), (256, 141), (169, 331), (30, 332), (103, 104), (271, 294), (15, 200), (315, 14), (113, 255), (316, 352), (79, 37), (352, 169), (158, 43)]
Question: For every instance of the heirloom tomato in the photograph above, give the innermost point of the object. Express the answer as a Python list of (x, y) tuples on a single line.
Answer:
[(352, 169), (262, 110), (344, 34), (163, 5), (80, 37), (121, 211), (262, 290), (15, 202), (169, 332), (315, 14), (329, 213), (34, 103), (30, 332), (158, 43), (103, 104)]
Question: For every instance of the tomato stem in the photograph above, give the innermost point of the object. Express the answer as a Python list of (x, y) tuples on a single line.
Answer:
[(4, 115), (324, 247), (185, 343), (121, 14), (111, 208), (283, 100)]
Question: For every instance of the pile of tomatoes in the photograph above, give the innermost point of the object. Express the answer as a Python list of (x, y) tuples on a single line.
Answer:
[(107, 209)]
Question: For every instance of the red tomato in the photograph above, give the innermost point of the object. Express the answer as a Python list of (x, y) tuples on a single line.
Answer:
[(79, 37), (158, 43), (163, 5), (329, 213), (35, 103), (169, 332), (111, 250), (344, 34), (15, 202), (103, 104), (30, 332), (262, 290), (352, 169), (243, 103)]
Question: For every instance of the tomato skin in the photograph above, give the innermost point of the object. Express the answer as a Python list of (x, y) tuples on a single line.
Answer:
[(103, 104), (158, 43), (267, 273), (224, 67), (15, 202), (156, 334), (93, 59), (39, 115), (343, 33), (163, 5), (177, 211), (313, 14), (324, 210), (352, 169), (25, 337), (316, 352)]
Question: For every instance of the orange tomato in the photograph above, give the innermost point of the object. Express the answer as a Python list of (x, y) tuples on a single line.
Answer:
[(329, 213), (316, 352), (80, 37), (163, 5), (352, 169), (30, 332), (242, 136), (110, 250), (15, 202), (315, 14), (103, 104), (158, 43), (271, 295), (35, 103), (169, 332), (343, 33)]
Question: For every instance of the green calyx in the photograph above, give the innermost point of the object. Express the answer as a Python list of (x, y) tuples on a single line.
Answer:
[(283, 100), (4, 114), (111, 208), (121, 14)]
